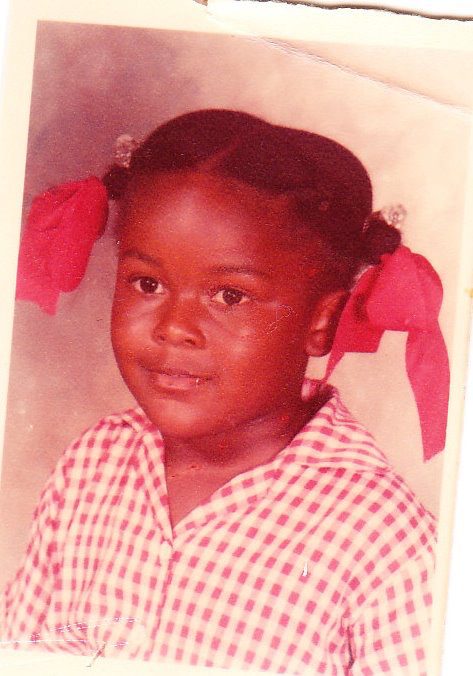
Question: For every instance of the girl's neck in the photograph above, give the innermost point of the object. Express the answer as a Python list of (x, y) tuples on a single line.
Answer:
[(238, 449), (196, 468)]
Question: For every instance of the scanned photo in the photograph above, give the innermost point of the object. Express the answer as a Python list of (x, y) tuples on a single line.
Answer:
[(232, 350)]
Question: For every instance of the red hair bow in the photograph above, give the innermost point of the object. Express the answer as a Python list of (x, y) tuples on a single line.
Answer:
[(402, 293), (61, 229)]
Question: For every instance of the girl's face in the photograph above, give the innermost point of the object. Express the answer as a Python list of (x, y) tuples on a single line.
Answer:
[(214, 304)]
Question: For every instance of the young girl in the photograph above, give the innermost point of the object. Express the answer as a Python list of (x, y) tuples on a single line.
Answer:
[(239, 517)]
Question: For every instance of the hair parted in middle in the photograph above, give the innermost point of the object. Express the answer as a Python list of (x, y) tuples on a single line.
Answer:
[(329, 189)]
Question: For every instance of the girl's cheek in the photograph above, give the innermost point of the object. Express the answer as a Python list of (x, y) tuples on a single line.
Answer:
[(255, 329), (134, 324), (127, 319), (126, 301)]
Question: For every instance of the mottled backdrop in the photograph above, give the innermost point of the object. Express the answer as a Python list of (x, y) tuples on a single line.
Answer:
[(93, 83)]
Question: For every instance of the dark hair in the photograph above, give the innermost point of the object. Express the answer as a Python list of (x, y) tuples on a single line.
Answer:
[(328, 186)]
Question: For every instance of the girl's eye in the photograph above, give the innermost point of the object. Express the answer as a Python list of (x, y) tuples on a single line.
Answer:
[(230, 296), (148, 285)]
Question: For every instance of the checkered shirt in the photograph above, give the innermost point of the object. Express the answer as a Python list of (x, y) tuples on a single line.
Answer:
[(317, 562)]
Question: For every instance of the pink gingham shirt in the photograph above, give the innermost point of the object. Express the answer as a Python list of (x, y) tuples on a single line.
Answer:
[(317, 562)]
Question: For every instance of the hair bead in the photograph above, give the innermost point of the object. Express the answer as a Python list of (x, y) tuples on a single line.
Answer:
[(117, 177)]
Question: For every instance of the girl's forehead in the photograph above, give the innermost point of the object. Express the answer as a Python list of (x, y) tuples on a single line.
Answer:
[(202, 222), (216, 191), (201, 205)]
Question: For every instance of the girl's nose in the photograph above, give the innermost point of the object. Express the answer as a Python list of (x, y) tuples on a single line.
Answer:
[(176, 323)]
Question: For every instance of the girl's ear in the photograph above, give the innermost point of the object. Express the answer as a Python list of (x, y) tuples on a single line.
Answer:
[(324, 323)]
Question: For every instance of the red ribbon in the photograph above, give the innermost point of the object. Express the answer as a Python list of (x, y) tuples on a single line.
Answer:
[(402, 293), (60, 231)]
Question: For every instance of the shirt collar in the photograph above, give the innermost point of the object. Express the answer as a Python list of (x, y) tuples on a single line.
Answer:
[(332, 439)]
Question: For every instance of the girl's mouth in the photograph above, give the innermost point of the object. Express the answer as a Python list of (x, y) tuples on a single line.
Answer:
[(177, 380)]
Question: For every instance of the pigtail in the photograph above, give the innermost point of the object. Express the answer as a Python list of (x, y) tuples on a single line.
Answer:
[(115, 181), (62, 227), (399, 291), (379, 237)]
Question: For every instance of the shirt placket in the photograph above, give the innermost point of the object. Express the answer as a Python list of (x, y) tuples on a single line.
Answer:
[(151, 468), (237, 495)]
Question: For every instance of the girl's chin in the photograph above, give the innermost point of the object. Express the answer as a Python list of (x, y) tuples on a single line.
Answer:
[(180, 420)]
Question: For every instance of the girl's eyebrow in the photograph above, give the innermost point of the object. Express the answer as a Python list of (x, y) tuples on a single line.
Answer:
[(241, 270), (217, 269), (134, 253)]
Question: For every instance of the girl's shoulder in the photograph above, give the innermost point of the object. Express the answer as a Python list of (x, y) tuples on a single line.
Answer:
[(103, 454), (359, 482), (108, 442), (335, 440)]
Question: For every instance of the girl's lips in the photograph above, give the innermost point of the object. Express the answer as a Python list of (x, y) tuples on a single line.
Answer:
[(171, 379)]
